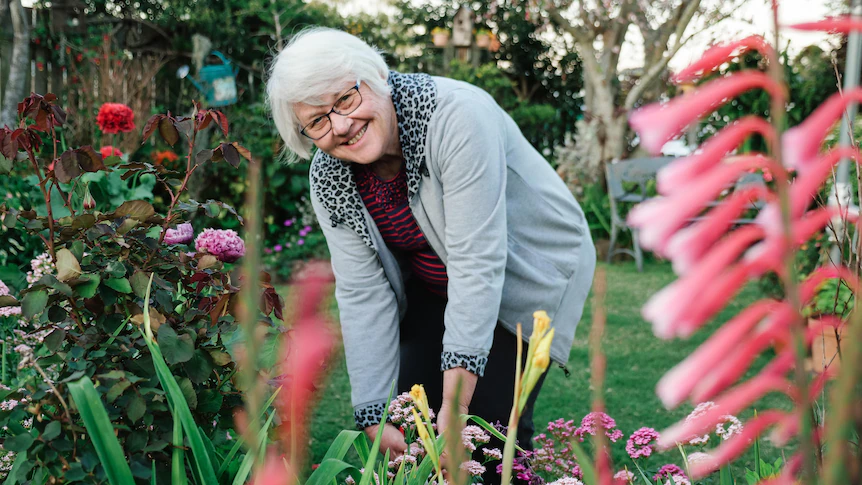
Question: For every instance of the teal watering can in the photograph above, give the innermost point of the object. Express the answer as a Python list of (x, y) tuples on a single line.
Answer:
[(217, 82)]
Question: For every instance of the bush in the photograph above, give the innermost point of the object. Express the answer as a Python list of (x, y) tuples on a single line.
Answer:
[(89, 304)]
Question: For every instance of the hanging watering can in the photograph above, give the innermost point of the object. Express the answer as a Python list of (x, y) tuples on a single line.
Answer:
[(217, 82)]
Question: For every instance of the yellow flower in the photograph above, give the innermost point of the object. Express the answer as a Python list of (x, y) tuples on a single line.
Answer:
[(541, 322), (420, 399), (542, 357), (420, 427)]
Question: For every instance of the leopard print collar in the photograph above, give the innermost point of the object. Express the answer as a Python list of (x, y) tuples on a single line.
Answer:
[(415, 100)]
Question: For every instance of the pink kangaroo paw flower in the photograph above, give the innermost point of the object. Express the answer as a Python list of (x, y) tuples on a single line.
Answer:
[(678, 173), (659, 218), (731, 402), (689, 245), (801, 144), (719, 54), (657, 124), (676, 385), (674, 301), (736, 445), (804, 189), (839, 25), (724, 288)]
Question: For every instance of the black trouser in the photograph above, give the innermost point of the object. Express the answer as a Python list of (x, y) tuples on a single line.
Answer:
[(421, 346)]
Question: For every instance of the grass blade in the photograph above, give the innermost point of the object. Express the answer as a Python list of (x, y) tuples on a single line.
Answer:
[(362, 448), (375, 447), (101, 431), (203, 467)]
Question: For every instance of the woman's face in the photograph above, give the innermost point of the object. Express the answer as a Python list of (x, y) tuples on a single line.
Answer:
[(363, 136)]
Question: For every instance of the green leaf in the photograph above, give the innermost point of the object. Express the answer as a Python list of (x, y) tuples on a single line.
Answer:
[(188, 390), (120, 285), (136, 408), (175, 348), (139, 283), (77, 249), (7, 300), (67, 265), (248, 461), (116, 390), (101, 432), (19, 443), (209, 401), (88, 286), (178, 469), (33, 303), (375, 447), (239, 441), (199, 368), (57, 314), (342, 443), (328, 471), (115, 269), (135, 209), (54, 340), (52, 430)]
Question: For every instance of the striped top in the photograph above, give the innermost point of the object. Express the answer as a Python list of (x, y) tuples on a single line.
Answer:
[(386, 201)]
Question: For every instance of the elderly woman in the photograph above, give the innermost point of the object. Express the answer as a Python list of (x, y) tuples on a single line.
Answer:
[(445, 226)]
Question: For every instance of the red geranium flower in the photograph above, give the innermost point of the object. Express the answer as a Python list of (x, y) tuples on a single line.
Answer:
[(108, 151), (115, 118)]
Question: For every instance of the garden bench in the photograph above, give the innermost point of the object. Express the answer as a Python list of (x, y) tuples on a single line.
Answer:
[(637, 173)]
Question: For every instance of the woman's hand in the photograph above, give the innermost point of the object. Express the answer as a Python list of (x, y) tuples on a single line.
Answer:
[(391, 440)]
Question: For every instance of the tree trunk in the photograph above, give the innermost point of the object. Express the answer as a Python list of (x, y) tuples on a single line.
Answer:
[(16, 88)]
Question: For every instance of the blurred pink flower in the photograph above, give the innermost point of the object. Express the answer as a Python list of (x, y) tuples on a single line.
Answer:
[(624, 477), (183, 234), (719, 54), (656, 124), (843, 24), (668, 471), (224, 244), (801, 144), (594, 421), (109, 151)]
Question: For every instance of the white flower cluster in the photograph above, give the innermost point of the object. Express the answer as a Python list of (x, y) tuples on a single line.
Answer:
[(40, 266), (729, 427), (473, 434), (567, 481)]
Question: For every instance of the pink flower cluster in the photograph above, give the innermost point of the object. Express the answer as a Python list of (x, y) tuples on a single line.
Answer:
[(624, 477), (183, 234), (401, 411), (471, 435), (641, 443), (224, 244), (40, 266), (554, 453), (591, 422), (7, 311), (668, 471)]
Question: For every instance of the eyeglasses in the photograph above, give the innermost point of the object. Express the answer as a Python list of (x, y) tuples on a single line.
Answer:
[(346, 104)]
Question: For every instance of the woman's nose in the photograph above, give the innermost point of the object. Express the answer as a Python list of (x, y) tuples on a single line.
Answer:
[(340, 124)]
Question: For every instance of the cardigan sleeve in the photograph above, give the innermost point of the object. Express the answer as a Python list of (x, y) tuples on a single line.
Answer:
[(368, 312), (471, 151)]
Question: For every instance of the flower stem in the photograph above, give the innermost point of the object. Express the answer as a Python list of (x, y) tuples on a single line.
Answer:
[(514, 416)]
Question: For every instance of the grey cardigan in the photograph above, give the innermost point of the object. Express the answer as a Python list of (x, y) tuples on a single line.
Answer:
[(511, 235)]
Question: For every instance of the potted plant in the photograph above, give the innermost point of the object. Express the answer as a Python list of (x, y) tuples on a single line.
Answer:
[(440, 36), (483, 38)]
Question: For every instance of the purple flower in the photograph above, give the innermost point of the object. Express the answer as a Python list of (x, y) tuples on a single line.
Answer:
[(267, 250), (668, 471), (183, 234), (289, 222), (278, 248), (300, 242), (640, 442), (307, 229), (224, 244)]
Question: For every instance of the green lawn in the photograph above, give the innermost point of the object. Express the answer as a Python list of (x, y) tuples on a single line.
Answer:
[(636, 359)]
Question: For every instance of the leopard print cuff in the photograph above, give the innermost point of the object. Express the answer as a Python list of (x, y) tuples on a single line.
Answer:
[(473, 363), (369, 415)]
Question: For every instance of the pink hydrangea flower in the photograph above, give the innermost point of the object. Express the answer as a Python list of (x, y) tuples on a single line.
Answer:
[(607, 423), (183, 234), (668, 471), (640, 443), (471, 435), (224, 244), (493, 453)]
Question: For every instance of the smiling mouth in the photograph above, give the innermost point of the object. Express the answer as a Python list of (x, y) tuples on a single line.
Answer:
[(358, 136)]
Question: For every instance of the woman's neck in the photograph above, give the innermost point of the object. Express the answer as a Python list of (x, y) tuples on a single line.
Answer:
[(387, 167)]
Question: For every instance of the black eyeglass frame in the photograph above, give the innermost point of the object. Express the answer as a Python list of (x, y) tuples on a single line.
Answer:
[(332, 110)]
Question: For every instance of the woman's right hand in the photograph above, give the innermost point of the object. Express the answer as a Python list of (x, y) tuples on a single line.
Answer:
[(391, 440)]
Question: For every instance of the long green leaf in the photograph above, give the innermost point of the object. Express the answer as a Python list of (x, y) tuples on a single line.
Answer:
[(584, 462), (342, 443), (101, 431), (724, 475), (240, 441), (153, 473), (208, 444), (368, 474), (362, 448), (248, 461), (328, 471), (178, 466), (757, 468), (203, 467), (419, 476), (489, 428)]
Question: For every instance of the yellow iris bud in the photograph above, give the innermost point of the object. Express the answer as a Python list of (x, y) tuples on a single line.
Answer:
[(420, 427), (541, 322), (542, 357), (420, 399)]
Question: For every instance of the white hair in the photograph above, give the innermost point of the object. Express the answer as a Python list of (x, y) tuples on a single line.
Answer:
[(317, 62)]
